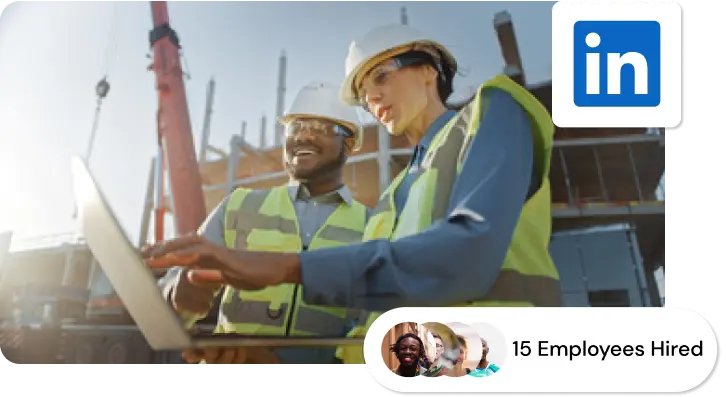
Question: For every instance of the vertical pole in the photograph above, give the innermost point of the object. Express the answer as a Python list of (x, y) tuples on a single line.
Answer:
[(148, 205), (279, 109), (603, 190), (159, 211), (174, 125), (206, 127), (635, 172), (232, 163), (567, 176)]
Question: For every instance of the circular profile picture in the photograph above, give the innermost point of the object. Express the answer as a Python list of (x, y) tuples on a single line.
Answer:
[(494, 350), (470, 351), (446, 350), (408, 349)]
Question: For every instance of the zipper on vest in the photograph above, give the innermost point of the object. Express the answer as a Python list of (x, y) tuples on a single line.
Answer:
[(293, 306)]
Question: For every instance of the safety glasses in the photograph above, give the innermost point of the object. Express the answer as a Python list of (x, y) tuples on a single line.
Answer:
[(317, 128), (382, 74)]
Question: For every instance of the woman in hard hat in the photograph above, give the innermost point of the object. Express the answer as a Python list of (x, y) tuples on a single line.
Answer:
[(467, 223)]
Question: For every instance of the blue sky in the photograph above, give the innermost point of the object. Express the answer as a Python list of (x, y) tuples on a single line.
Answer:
[(53, 54)]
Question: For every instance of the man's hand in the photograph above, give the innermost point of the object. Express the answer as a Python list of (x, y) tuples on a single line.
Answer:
[(194, 293), (209, 263), (231, 355)]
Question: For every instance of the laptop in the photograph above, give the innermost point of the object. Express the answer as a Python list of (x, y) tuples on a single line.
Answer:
[(137, 287)]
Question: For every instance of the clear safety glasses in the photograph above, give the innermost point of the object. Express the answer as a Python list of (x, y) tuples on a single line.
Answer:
[(317, 128), (382, 74)]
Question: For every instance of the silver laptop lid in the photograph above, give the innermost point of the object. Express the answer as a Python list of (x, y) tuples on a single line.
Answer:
[(131, 278), (5, 238)]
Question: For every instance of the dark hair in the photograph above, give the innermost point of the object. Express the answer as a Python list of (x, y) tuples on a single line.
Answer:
[(445, 70), (437, 336), (396, 347), (461, 340)]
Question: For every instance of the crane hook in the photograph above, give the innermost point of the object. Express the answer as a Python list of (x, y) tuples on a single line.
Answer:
[(102, 88)]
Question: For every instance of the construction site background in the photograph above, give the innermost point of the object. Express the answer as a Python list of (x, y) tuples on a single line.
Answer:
[(608, 208)]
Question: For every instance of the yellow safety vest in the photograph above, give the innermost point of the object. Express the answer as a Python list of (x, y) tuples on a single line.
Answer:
[(265, 220), (528, 276)]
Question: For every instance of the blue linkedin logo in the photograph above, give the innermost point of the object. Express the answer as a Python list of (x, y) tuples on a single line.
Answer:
[(617, 64)]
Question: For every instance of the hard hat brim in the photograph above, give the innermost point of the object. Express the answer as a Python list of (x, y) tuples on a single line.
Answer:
[(347, 90), (357, 129)]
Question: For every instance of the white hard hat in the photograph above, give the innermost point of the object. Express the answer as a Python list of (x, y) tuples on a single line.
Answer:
[(377, 42), (319, 99)]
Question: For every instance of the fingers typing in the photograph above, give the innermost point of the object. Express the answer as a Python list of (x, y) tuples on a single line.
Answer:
[(204, 278), (168, 246)]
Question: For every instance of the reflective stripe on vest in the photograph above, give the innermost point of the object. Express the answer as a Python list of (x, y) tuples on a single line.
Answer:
[(528, 276), (265, 220)]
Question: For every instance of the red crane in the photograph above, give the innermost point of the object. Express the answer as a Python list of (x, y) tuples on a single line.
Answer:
[(174, 130)]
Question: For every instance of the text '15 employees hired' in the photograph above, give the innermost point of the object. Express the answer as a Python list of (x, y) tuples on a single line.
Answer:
[(657, 348)]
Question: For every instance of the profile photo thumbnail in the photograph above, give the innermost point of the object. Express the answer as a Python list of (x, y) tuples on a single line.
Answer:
[(447, 350), (408, 349), (493, 347), (469, 349)]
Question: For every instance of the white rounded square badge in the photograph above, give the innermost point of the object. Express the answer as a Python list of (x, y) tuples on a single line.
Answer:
[(616, 63)]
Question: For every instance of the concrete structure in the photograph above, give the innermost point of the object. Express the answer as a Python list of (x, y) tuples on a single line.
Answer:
[(600, 178), (607, 190)]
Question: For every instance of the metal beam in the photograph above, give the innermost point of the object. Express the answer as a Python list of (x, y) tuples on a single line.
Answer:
[(409, 151), (609, 140), (219, 152), (578, 212)]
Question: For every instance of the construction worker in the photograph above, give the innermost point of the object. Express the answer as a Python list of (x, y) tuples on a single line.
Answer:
[(314, 210), (466, 223)]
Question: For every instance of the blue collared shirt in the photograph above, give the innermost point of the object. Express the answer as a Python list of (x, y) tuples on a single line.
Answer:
[(456, 259), (419, 151)]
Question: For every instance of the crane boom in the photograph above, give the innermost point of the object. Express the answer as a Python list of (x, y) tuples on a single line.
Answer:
[(174, 126)]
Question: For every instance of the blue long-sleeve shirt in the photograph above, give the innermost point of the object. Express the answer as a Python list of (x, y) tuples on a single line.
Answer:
[(456, 259)]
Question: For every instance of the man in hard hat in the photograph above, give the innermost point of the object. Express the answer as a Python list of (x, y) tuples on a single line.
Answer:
[(314, 210), (467, 223)]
